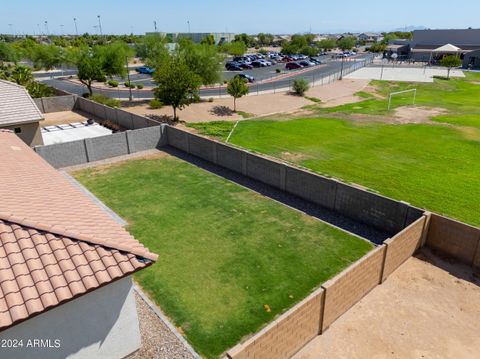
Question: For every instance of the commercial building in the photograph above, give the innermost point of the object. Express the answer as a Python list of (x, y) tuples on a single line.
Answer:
[(427, 45), (19, 113), (65, 265), (197, 37)]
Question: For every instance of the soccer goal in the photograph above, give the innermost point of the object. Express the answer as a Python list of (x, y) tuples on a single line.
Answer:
[(400, 93)]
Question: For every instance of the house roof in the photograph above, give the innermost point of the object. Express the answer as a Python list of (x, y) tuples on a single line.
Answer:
[(16, 105), (55, 242)]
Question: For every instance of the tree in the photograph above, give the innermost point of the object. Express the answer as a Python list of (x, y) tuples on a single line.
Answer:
[(22, 75), (202, 59), (235, 48), (237, 87), (327, 44), (113, 58), (7, 53), (177, 84), (450, 62), (246, 39), (89, 69), (300, 86), (46, 56), (152, 49), (208, 40), (265, 39), (346, 43)]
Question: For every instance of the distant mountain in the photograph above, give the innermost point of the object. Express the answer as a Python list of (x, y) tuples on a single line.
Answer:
[(411, 28)]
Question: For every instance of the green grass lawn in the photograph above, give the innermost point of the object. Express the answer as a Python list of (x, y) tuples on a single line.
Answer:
[(230, 260), (431, 166)]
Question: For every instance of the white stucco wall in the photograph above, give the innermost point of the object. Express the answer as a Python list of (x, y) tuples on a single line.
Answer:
[(101, 324)]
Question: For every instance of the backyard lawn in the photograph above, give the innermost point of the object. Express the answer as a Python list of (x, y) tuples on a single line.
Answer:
[(230, 260), (434, 165)]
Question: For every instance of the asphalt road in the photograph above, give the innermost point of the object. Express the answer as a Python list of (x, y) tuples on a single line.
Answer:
[(267, 80)]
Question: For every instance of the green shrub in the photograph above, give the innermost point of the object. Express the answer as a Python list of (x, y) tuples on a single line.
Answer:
[(156, 104), (104, 100), (129, 85), (313, 99), (278, 71), (210, 99), (140, 86), (300, 86), (112, 83)]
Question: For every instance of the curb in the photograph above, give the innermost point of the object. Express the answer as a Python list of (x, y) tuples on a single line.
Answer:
[(165, 321)]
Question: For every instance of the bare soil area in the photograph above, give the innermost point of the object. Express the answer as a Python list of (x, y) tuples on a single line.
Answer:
[(334, 94), (417, 114), (428, 308), (63, 117)]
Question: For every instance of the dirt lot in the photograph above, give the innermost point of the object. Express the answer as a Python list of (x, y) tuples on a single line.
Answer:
[(333, 94), (428, 308), (63, 117)]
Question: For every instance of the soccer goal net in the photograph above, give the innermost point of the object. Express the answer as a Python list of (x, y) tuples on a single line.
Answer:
[(403, 95)]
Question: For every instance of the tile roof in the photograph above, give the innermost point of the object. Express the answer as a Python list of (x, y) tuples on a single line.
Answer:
[(55, 243), (16, 105)]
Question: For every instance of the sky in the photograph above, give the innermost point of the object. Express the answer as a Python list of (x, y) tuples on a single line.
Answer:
[(278, 17)]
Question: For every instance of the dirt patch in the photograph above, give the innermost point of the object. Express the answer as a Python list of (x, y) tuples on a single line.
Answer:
[(428, 308), (417, 114), (293, 157)]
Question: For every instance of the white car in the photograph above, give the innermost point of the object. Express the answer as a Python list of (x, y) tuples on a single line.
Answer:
[(267, 63)]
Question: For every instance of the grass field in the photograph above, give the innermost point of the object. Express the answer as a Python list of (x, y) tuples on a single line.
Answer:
[(230, 260), (433, 165)]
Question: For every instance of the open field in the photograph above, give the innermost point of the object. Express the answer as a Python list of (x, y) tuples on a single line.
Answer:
[(230, 259), (399, 319), (433, 164)]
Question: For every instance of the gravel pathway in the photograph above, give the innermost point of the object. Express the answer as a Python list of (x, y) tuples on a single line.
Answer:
[(158, 340)]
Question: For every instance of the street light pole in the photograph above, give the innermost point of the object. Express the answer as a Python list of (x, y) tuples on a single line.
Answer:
[(155, 25), (46, 29), (100, 25), (188, 23), (130, 97), (76, 28)]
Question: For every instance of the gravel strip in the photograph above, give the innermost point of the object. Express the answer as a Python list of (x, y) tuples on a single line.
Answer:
[(158, 341)]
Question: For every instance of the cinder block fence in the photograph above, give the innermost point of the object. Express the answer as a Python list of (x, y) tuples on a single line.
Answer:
[(410, 228)]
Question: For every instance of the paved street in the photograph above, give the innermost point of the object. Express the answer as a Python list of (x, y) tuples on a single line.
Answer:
[(277, 82)]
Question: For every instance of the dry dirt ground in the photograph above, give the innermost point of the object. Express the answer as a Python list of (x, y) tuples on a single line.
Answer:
[(63, 117), (334, 94), (428, 308)]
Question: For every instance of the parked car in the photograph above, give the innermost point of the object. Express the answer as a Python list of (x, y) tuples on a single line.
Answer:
[(245, 66), (258, 63), (242, 59), (246, 77), (306, 63), (233, 66), (145, 70), (268, 63), (293, 66)]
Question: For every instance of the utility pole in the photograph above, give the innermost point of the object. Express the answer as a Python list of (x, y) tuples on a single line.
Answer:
[(155, 25), (11, 29), (76, 28), (341, 71), (130, 97), (188, 23), (100, 25)]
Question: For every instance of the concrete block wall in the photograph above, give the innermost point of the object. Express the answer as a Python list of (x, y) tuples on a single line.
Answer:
[(286, 335), (99, 148), (458, 240), (351, 285), (123, 118), (56, 103), (403, 245), (380, 212)]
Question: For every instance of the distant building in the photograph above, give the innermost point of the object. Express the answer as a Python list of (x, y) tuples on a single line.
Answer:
[(19, 113), (370, 37), (197, 37), (425, 42)]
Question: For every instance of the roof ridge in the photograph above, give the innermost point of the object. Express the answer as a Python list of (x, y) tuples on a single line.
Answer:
[(61, 231)]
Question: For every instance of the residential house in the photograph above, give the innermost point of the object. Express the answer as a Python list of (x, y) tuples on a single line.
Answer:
[(65, 265), (19, 113)]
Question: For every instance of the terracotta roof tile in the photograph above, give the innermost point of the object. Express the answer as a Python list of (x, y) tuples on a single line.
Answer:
[(55, 243)]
